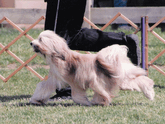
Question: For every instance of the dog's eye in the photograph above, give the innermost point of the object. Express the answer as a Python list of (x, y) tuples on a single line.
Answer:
[(40, 39)]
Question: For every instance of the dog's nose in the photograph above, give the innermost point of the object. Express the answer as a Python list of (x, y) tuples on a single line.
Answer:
[(31, 43)]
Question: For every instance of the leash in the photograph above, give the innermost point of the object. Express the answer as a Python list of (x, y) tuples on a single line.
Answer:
[(55, 25)]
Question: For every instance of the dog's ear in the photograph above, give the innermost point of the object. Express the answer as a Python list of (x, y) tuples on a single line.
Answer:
[(40, 39), (57, 56), (104, 67)]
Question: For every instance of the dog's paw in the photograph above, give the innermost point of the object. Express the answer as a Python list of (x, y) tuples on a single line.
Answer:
[(37, 102)]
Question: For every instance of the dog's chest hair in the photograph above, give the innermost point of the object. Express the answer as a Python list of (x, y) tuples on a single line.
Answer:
[(61, 68), (55, 72), (53, 68)]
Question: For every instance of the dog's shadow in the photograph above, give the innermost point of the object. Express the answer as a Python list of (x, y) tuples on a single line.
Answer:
[(74, 104), (4, 99), (54, 104), (160, 87), (46, 105), (10, 98)]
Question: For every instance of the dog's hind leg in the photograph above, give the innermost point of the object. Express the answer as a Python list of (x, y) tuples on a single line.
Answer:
[(79, 96), (43, 91), (101, 96)]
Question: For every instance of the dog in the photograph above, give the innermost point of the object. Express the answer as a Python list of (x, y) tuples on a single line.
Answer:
[(105, 73)]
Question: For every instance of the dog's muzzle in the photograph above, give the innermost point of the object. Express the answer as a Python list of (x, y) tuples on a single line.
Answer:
[(36, 48)]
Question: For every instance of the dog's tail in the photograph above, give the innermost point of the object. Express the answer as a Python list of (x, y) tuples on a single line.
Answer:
[(133, 78), (146, 86), (115, 53), (104, 68), (141, 83)]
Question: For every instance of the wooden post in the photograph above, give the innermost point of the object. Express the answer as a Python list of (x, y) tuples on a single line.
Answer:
[(146, 44), (143, 41), (88, 13)]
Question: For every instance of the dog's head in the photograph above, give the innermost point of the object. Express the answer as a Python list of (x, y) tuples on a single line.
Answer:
[(48, 43)]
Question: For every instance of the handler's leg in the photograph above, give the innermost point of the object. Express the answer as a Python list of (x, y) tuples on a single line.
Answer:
[(95, 40), (69, 19)]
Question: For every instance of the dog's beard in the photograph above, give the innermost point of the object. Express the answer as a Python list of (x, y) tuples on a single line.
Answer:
[(38, 51)]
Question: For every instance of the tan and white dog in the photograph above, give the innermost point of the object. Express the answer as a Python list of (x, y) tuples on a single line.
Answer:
[(105, 72)]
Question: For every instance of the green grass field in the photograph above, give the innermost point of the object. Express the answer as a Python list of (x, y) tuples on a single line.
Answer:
[(127, 108)]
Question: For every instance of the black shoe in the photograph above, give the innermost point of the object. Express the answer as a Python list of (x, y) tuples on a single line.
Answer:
[(63, 94)]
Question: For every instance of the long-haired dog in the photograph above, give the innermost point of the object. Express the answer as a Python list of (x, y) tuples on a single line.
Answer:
[(105, 72)]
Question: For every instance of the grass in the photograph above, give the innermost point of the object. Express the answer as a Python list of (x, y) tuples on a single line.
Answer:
[(127, 108)]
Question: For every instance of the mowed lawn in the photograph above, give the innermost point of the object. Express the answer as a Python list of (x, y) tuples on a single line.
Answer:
[(127, 108)]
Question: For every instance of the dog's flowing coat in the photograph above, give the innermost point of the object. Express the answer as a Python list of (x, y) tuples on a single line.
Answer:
[(105, 72)]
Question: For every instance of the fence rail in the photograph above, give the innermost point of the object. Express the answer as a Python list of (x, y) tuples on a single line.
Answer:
[(103, 15), (96, 15)]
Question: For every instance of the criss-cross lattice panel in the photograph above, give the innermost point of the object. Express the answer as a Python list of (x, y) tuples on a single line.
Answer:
[(24, 33), (162, 52), (5, 49), (112, 20)]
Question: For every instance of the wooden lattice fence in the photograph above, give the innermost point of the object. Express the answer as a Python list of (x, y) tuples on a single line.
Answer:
[(150, 63), (5, 48), (24, 33)]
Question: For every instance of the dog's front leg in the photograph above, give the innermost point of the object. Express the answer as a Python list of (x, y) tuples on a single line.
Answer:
[(43, 91), (79, 96)]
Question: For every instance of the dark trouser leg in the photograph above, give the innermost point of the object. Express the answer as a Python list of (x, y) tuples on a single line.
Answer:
[(50, 15), (95, 40), (68, 16), (69, 21)]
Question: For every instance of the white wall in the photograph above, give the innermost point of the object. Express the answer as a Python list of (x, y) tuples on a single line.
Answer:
[(30, 4)]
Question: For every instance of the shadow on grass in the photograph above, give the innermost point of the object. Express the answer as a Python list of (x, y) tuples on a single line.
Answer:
[(42, 105), (9, 98), (160, 87), (72, 104)]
